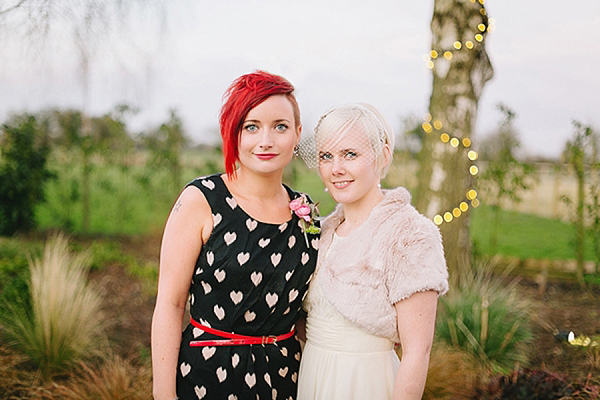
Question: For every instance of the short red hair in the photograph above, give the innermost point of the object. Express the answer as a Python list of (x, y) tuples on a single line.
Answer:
[(245, 93)]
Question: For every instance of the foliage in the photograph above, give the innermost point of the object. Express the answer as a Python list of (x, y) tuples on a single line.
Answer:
[(66, 323), (23, 173), (536, 384), (504, 176), (114, 379), (166, 145), (483, 315)]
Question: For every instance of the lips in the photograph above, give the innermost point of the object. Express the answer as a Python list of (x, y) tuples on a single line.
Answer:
[(341, 184), (265, 156)]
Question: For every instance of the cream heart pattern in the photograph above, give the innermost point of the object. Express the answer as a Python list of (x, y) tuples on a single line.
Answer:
[(256, 277), (297, 356), (231, 201), (236, 297), (206, 286), (271, 299), (200, 392), (219, 312), (232, 397), (282, 227), (219, 275), (294, 377), (185, 368), (293, 294), (268, 378), (250, 379), (208, 352), (221, 374), (229, 237), (275, 258), (305, 258), (263, 242), (274, 394), (251, 224), (283, 372), (249, 316), (204, 322), (192, 299), (216, 219), (291, 241), (199, 271), (235, 359), (288, 275), (315, 244), (287, 310), (284, 351), (197, 332), (210, 257), (242, 258), (208, 184)]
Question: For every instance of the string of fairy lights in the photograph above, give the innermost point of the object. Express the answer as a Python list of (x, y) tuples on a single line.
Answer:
[(429, 125)]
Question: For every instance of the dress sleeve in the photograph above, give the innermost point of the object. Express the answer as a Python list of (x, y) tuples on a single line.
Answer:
[(415, 260)]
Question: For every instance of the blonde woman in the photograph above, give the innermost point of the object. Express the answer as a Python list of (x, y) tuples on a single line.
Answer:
[(379, 272)]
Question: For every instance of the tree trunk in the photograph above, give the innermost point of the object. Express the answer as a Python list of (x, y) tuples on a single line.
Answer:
[(459, 75)]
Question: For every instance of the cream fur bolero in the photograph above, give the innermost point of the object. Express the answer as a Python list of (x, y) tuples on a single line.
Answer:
[(395, 253)]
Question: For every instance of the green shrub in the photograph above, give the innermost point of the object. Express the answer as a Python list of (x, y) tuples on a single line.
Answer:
[(22, 174), (484, 315), (65, 324)]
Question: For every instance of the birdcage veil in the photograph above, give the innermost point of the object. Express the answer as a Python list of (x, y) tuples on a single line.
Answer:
[(353, 131)]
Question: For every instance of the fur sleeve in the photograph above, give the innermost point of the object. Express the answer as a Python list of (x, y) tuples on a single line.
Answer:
[(414, 261)]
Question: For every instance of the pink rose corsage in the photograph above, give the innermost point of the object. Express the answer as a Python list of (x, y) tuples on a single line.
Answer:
[(307, 213)]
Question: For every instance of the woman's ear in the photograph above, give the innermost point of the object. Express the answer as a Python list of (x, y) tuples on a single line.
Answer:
[(387, 159)]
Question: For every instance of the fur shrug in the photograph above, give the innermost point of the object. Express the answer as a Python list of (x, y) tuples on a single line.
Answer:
[(395, 253)]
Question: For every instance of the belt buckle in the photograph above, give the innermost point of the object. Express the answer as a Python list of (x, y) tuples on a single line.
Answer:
[(271, 339)]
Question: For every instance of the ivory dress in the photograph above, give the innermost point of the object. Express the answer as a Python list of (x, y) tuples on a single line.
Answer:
[(341, 361)]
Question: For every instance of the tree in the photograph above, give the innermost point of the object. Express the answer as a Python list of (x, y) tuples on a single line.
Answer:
[(165, 145), (504, 177), (575, 154), (460, 68), (23, 173)]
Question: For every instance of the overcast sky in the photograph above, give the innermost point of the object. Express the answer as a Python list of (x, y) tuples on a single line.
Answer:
[(546, 58)]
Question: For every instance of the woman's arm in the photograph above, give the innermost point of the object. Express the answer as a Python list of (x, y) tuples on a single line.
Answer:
[(187, 228), (416, 326)]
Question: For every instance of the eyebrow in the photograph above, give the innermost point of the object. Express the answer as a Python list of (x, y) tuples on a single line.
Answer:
[(276, 121)]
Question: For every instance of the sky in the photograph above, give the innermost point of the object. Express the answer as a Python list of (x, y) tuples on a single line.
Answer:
[(184, 55)]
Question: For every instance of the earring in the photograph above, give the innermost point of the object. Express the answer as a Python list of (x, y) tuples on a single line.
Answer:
[(326, 190), (379, 185)]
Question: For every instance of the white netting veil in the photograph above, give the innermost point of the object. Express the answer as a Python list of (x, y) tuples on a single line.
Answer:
[(357, 132)]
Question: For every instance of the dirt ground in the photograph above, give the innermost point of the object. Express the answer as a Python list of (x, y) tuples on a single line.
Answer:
[(563, 307)]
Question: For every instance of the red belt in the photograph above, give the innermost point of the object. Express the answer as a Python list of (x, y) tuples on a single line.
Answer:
[(233, 339)]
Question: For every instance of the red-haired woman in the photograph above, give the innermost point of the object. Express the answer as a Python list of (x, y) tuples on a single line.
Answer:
[(248, 257)]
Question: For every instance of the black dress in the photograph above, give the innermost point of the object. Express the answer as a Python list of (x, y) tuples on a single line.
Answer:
[(250, 279)]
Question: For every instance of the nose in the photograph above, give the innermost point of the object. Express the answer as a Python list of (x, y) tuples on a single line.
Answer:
[(266, 139), (337, 167)]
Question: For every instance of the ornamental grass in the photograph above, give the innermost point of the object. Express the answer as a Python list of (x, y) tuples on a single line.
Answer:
[(116, 378), (63, 323), (484, 315)]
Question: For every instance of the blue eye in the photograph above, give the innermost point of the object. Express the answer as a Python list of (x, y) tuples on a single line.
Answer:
[(325, 157), (281, 127), (349, 154), (251, 128)]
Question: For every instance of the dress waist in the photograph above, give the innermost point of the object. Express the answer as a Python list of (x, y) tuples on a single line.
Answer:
[(344, 336)]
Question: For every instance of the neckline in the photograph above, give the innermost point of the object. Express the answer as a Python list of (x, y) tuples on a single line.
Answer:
[(289, 191)]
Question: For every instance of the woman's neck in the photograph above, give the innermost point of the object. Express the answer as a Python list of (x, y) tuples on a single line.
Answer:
[(357, 212), (254, 186)]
